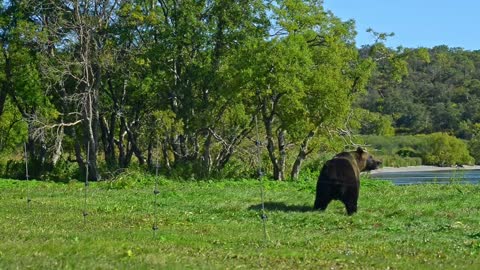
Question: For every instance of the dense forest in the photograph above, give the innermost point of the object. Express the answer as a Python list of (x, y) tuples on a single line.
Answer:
[(211, 88), (438, 92)]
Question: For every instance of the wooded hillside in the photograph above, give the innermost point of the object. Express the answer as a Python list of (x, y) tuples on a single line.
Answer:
[(439, 92)]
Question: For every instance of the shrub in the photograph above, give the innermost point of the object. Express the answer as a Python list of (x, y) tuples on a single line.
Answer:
[(130, 178), (474, 144), (408, 152), (474, 148), (442, 149), (64, 171), (438, 149), (399, 161)]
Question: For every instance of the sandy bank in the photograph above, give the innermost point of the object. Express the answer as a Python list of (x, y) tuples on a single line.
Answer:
[(422, 169)]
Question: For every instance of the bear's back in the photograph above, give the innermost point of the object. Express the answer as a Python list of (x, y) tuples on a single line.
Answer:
[(343, 169)]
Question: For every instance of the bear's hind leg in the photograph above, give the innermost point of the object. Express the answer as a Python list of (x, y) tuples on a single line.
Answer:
[(351, 207), (321, 203), (350, 199)]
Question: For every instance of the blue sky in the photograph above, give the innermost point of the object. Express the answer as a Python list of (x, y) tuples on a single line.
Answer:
[(416, 23)]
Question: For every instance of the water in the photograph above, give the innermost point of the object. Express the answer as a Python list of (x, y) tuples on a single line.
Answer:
[(439, 177)]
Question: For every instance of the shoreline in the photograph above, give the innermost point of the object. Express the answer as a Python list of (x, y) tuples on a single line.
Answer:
[(422, 168)]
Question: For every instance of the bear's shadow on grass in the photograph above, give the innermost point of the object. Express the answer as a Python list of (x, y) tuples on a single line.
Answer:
[(282, 207)]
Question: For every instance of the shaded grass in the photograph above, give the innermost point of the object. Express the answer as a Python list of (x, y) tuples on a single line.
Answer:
[(216, 225)]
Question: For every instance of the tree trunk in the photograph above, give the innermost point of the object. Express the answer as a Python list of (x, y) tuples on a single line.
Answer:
[(183, 146), (271, 148), (229, 148), (174, 142), (90, 120), (91, 149), (7, 82), (283, 155), (121, 145), (108, 141), (302, 154), (132, 141), (58, 146), (165, 155), (207, 156), (150, 154), (78, 149), (93, 172), (3, 99), (128, 156)]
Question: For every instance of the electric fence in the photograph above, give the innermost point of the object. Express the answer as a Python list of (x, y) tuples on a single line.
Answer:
[(26, 174), (263, 214), (155, 204), (87, 165)]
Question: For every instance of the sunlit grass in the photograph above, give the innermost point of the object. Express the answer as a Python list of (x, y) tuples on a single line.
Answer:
[(216, 225)]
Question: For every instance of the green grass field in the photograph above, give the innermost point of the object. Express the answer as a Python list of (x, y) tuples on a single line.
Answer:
[(216, 225)]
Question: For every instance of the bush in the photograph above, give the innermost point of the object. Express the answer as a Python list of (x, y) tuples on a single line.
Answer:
[(474, 148), (130, 178), (408, 152), (63, 171), (391, 145), (15, 169), (399, 161), (474, 144), (438, 149), (442, 149)]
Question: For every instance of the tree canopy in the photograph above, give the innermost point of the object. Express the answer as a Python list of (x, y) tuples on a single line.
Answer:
[(187, 84), (440, 92), (115, 82)]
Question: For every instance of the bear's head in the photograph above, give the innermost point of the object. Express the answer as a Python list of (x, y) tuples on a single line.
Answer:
[(365, 161)]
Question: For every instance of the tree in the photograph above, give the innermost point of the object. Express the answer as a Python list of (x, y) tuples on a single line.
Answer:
[(438, 93), (474, 143), (194, 45), (303, 79), (20, 38), (371, 123), (77, 33), (444, 150)]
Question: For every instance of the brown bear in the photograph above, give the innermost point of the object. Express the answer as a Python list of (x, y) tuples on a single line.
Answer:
[(340, 179)]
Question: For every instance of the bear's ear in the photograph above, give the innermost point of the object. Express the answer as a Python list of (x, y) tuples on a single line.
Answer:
[(360, 150)]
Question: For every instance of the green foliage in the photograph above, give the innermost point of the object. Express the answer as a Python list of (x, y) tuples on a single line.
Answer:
[(13, 169), (187, 83), (129, 179), (474, 148), (474, 143), (408, 152), (439, 93), (371, 123), (400, 227), (63, 172), (304, 77), (399, 161), (391, 145), (13, 130), (367, 182), (444, 150), (437, 149)]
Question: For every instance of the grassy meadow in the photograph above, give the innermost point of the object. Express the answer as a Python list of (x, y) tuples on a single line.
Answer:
[(216, 225)]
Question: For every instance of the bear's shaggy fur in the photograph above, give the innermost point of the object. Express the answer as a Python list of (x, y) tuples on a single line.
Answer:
[(340, 179)]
